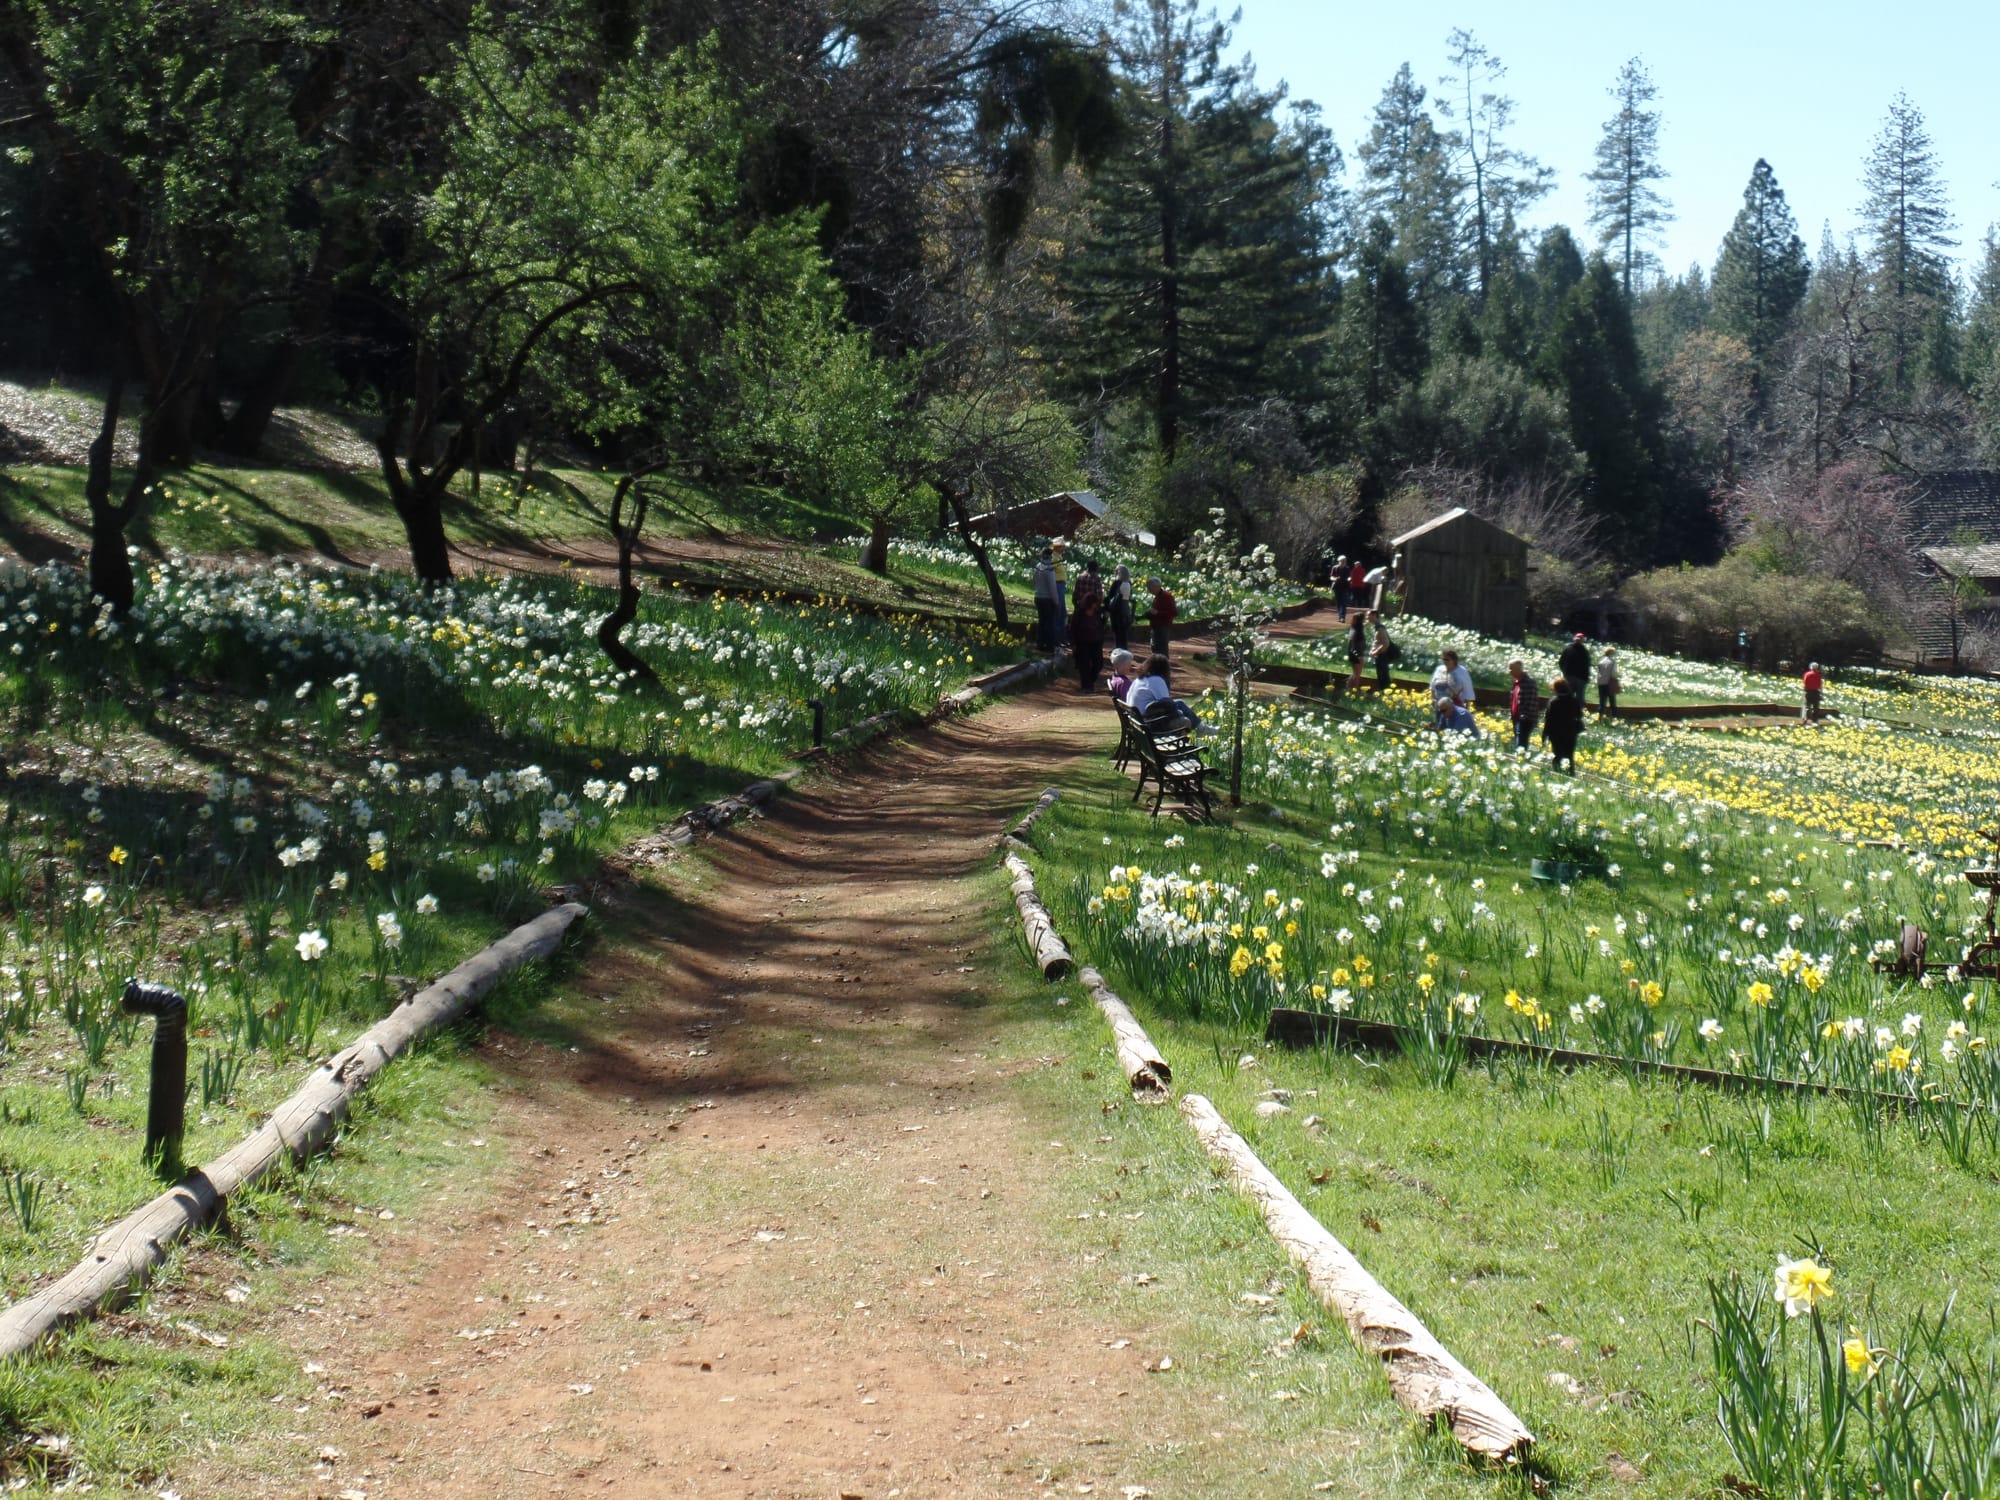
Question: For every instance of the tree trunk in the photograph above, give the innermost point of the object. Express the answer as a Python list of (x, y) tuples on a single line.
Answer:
[(423, 524), (110, 569), (977, 548), (243, 433), (612, 628), (875, 556)]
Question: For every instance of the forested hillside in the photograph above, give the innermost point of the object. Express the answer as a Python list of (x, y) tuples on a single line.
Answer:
[(910, 260)]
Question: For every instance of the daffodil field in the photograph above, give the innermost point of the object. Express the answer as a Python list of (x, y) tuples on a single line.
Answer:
[(293, 793), (1600, 1243)]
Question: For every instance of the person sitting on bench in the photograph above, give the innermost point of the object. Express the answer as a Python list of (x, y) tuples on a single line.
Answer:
[(1154, 702), (1124, 672)]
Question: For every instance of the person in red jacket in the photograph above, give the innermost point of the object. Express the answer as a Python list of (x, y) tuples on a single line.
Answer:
[(1164, 608), (1813, 683), (1357, 586)]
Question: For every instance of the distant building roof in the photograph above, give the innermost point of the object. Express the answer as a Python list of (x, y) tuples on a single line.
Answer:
[(1966, 562), (1952, 501), (1056, 515)]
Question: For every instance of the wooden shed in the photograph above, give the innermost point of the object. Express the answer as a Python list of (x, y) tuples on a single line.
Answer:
[(1460, 570)]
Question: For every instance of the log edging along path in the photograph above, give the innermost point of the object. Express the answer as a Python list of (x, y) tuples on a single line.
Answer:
[(123, 1258), (1426, 1379)]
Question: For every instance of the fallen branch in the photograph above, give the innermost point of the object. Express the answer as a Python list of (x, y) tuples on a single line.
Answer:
[(1144, 1068), (1051, 956), (1422, 1373), (123, 1257)]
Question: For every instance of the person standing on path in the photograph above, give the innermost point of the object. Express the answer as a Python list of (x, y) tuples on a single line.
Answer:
[(1060, 549), (1562, 725), (1574, 664), (1086, 637), (1357, 650), (1523, 704), (1044, 581), (1161, 616), (1385, 653), (1119, 610), (1357, 584), (1089, 581), (1607, 685), (1339, 572), (1814, 685)]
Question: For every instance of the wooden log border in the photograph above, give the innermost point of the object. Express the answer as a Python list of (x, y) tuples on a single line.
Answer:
[(1052, 955), (1151, 1079), (123, 1258), (1017, 837), (1424, 1376)]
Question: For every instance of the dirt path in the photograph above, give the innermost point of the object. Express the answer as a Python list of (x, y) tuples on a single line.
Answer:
[(780, 1227)]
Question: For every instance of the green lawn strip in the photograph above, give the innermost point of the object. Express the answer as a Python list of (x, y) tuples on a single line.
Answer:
[(1547, 1224), (124, 1401)]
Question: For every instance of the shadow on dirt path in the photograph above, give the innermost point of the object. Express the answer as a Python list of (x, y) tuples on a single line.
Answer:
[(774, 1221)]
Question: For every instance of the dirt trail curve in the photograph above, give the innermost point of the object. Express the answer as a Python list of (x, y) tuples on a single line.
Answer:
[(779, 1226)]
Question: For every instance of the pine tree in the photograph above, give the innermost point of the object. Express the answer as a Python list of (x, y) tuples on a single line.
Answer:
[(1499, 180), (1907, 221), (1203, 277), (1762, 272), (1982, 348), (1407, 182), (1626, 210)]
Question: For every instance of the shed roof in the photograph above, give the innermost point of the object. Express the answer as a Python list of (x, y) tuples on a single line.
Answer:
[(1967, 562), (1451, 517)]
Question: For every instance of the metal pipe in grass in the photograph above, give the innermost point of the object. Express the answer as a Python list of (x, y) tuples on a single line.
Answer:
[(166, 1100), (123, 1257)]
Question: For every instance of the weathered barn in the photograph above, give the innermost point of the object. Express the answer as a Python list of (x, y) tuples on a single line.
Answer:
[(1460, 570), (1954, 517), (1060, 514)]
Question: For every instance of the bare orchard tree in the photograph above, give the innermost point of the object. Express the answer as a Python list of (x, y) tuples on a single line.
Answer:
[(1848, 522)]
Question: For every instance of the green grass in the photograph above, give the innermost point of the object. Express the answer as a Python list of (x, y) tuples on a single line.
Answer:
[(1544, 1224), (124, 1401)]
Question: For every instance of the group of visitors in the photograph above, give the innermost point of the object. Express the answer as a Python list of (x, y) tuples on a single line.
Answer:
[(1355, 584), (1365, 649), (1101, 616), (1560, 719)]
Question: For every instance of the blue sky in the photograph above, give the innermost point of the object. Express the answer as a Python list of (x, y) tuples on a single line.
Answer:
[(1805, 86)]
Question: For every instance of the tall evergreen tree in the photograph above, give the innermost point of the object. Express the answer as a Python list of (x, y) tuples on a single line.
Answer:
[(1626, 209), (1762, 272), (1407, 182), (1204, 278), (1498, 180), (1907, 221), (1379, 352), (1982, 348)]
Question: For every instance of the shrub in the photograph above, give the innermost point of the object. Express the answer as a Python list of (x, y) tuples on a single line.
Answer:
[(1789, 618)]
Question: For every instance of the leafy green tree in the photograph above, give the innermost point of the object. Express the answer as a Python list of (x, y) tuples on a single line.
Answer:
[(1501, 182), (1407, 182), (1626, 209), (558, 204), (169, 128), (1908, 224), (1203, 276), (1762, 273), (1668, 311)]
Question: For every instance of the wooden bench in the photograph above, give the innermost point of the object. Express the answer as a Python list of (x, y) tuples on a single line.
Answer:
[(1131, 735), (1170, 759)]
